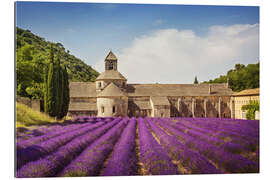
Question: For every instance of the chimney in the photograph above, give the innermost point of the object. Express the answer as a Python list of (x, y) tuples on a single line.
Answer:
[(210, 89)]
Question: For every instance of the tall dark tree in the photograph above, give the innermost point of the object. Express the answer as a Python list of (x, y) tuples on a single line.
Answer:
[(65, 102), (196, 80), (56, 89)]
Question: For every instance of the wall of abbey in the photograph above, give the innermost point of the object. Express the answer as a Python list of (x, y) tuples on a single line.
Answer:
[(182, 107), (112, 106)]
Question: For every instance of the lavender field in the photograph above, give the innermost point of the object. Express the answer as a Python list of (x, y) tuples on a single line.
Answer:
[(93, 146)]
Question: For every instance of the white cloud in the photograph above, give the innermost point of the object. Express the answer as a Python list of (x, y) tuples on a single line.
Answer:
[(177, 56)]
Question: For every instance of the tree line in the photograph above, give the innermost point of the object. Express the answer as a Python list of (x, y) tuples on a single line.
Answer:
[(240, 78), (33, 55)]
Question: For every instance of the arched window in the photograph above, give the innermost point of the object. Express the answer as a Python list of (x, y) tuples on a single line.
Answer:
[(99, 84), (102, 109), (113, 109), (110, 66)]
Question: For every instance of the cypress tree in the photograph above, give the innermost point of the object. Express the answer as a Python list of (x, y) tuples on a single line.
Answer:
[(52, 91), (60, 93), (45, 90), (52, 87), (56, 89), (196, 80), (65, 102), (46, 75)]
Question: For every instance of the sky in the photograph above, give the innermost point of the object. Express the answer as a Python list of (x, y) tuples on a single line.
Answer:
[(153, 43)]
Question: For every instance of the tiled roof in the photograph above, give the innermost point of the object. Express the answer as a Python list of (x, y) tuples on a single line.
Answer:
[(111, 90), (82, 89), (248, 92), (159, 100), (143, 104), (111, 74), (178, 90), (88, 89)]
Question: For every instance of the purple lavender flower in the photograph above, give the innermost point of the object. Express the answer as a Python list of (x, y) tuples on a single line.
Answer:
[(123, 160), (90, 161), (155, 160)]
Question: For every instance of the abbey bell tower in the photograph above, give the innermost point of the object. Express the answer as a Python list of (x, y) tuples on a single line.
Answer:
[(111, 62)]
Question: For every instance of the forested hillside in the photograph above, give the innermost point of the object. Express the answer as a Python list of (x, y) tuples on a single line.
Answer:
[(241, 77), (32, 55)]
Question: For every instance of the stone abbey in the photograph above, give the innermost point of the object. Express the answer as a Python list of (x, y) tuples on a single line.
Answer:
[(111, 95)]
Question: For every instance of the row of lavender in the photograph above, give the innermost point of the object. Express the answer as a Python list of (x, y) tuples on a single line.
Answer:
[(24, 133), (116, 146)]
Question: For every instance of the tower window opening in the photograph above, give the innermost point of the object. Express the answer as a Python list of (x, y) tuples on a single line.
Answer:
[(99, 84), (110, 66), (102, 109), (113, 109)]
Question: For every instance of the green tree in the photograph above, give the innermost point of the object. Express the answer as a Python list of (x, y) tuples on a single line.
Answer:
[(251, 108), (56, 90), (33, 57), (196, 80), (65, 101), (241, 77)]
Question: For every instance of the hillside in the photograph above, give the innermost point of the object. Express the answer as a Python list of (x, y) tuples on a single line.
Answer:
[(241, 77), (32, 54), (26, 116)]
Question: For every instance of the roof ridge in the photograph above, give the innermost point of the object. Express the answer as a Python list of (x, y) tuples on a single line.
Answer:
[(111, 90), (111, 56)]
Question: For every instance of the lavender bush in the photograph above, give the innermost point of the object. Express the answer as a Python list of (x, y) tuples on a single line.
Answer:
[(53, 163), (91, 159), (155, 160), (92, 146), (123, 160)]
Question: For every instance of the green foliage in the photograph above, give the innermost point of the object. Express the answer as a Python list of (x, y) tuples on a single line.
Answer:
[(241, 77), (51, 91), (56, 89), (251, 108), (196, 80), (33, 55), (65, 101)]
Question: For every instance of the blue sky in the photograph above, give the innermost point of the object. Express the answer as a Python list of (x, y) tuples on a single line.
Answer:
[(90, 30)]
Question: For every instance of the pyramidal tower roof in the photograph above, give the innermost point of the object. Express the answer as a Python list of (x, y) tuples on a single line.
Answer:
[(111, 90), (111, 56)]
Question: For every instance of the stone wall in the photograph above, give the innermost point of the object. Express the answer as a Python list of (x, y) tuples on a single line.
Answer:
[(209, 106), (101, 84), (112, 106), (32, 103), (239, 101)]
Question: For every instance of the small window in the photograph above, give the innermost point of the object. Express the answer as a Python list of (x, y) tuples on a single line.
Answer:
[(110, 65), (102, 109), (113, 109), (99, 84), (244, 114)]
